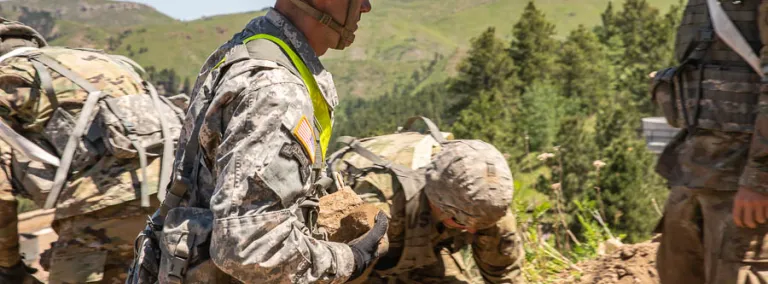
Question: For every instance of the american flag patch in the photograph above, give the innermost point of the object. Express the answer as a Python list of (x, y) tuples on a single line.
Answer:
[(306, 136)]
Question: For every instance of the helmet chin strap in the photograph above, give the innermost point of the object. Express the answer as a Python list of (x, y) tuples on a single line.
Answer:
[(346, 36)]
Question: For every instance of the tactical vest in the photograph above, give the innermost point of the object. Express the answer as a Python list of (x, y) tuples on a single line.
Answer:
[(399, 162), (713, 88), (173, 248)]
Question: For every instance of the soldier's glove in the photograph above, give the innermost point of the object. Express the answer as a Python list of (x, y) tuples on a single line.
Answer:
[(19, 273), (365, 248)]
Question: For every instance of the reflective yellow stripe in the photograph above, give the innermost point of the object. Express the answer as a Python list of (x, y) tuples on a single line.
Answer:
[(320, 106)]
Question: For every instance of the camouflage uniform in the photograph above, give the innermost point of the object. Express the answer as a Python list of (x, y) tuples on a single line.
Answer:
[(722, 147), (252, 168), (97, 214), (486, 183)]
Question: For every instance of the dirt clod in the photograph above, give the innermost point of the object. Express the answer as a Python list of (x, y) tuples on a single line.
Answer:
[(344, 209), (630, 264)]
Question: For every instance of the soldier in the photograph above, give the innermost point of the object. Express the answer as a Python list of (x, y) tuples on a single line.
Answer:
[(250, 161), (714, 220), (441, 197), (44, 91)]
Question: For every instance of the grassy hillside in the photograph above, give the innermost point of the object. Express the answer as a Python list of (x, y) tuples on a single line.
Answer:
[(397, 38)]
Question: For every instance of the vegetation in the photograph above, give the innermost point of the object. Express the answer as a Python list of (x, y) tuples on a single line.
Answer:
[(558, 86), (566, 112)]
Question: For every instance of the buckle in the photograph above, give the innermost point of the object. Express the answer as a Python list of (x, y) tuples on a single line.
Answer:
[(178, 267), (326, 19)]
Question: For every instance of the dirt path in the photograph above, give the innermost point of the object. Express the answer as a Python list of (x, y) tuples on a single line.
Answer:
[(36, 237)]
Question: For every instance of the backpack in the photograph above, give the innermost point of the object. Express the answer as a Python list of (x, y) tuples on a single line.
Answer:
[(108, 126), (377, 168)]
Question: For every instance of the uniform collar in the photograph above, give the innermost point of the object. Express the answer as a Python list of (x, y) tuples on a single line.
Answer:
[(296, 39)]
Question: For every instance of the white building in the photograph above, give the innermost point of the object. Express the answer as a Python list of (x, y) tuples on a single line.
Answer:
[(657, 133)]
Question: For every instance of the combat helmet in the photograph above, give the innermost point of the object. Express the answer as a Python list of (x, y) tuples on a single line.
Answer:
[(14, 35), (470, 180)]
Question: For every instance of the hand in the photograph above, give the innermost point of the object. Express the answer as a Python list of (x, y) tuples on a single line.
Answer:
[(366, 248), (19, 273), (750, 208)]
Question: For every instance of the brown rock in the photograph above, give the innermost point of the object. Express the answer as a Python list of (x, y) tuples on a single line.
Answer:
[(345, 216)]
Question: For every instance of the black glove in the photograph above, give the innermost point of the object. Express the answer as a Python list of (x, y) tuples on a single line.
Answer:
[(19, 273), (365, 249)]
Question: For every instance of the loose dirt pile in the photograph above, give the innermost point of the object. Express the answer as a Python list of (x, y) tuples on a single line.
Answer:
[(630, 264)]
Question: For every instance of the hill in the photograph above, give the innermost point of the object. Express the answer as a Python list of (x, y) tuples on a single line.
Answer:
[(396, 39)]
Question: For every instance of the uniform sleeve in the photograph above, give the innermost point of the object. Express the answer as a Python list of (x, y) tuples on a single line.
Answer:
[(498, 252), (755, 174), (261, 172)]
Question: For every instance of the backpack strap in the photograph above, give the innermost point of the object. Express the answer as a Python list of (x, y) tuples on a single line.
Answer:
[(94, 95), (434, 131), (46, 82)]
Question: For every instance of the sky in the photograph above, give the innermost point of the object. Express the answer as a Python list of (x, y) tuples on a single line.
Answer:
[(194, 9)]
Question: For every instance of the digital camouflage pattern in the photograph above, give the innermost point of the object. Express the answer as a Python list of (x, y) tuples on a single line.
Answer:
[(470, 172), (252, 171), (93, 189), (497, 249)]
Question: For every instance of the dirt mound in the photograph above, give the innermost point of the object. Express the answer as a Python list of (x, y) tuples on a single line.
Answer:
[(630, 264)]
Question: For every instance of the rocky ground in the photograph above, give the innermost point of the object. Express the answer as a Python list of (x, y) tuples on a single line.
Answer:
[(629, 264)]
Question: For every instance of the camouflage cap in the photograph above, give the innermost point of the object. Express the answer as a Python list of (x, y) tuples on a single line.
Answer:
[(471, 181), (14, 34)]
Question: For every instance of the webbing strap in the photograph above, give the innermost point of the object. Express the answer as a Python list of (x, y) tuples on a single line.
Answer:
[(46, 82), (64, 71), (143, 164), (355, 145), (434, 131), (69, 151), (322, 111), (167, 160)]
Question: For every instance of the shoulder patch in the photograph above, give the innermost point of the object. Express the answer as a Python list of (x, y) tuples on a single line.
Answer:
[(306, 137)]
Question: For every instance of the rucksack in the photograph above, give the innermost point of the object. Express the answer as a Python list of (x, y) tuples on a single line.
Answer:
[(134, 126), (386, 165)]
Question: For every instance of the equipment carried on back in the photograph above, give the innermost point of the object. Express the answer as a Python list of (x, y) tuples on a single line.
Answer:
[(391, 163), (108, 126)]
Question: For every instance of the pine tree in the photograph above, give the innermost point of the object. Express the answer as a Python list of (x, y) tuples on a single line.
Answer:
[(489, 118), (540, 112), (584, 72), (533, 46), (486, 67)]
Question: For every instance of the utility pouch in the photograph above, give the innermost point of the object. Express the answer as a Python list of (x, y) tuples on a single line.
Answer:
[(663, 93), (184, 246), (146, 265), (57, 131)]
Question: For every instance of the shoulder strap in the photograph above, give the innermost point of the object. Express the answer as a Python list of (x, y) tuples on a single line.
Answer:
[(322, 110), (433, 129)]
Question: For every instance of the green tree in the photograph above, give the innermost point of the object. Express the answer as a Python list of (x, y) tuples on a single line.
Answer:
[(489, 118), (533, 46), (485, 68), (540, 112), (585, 72), (646, 40)]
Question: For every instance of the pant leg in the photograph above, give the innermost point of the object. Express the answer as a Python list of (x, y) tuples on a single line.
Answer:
[(734, 255), (9, 231), (97, 247), (449, 268), (680, 258)]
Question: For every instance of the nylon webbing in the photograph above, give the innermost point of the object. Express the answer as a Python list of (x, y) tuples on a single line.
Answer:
[(64, 71), (69, 151), (434, 131), (167, 160), (46, 82)]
